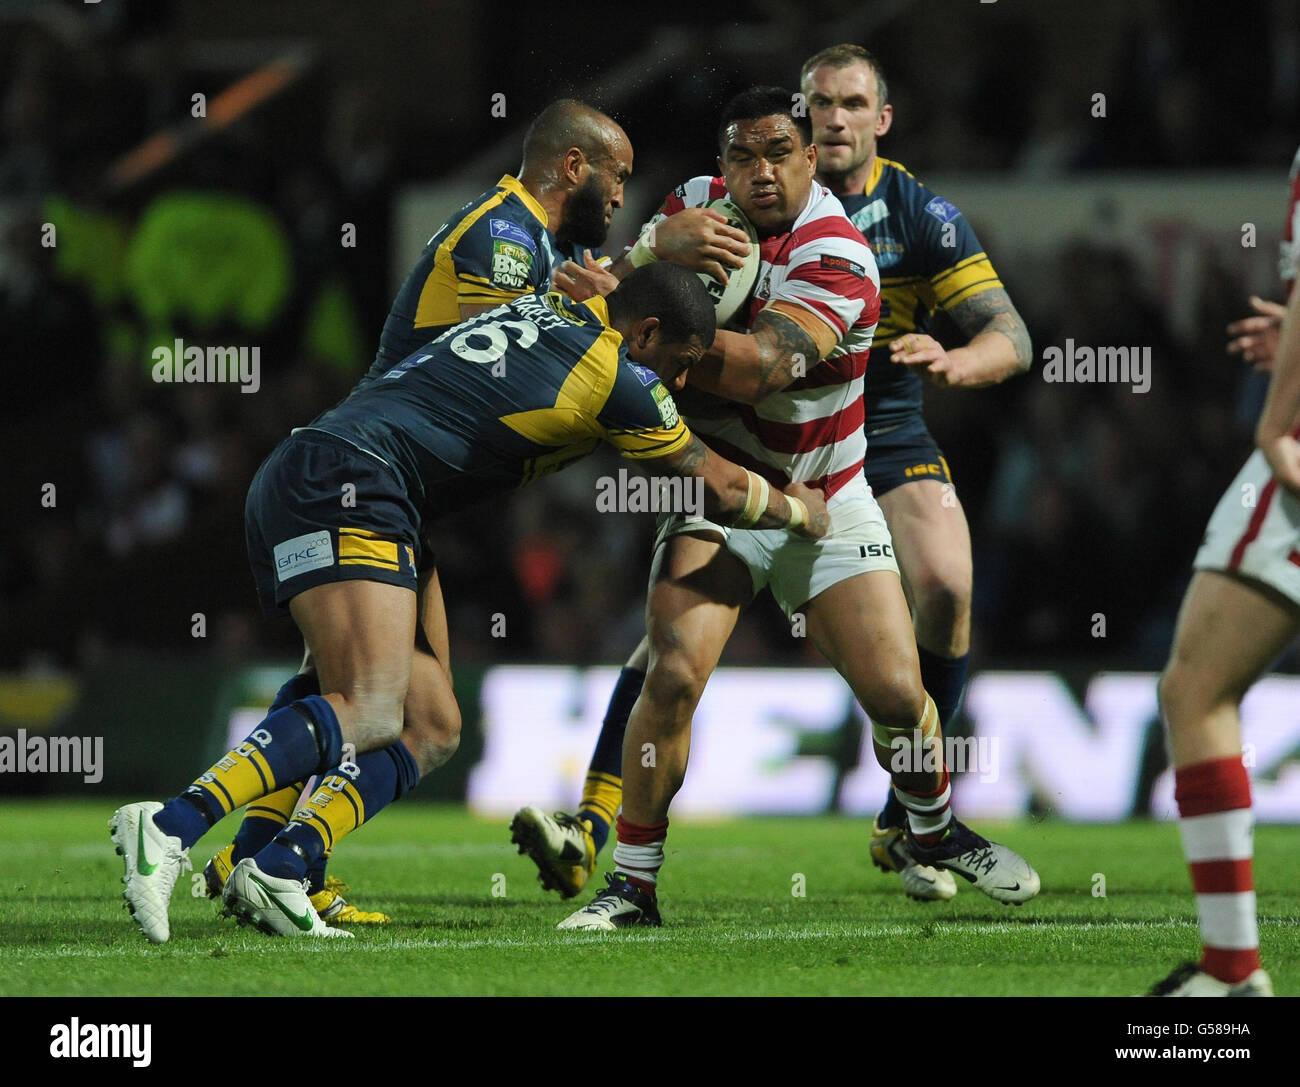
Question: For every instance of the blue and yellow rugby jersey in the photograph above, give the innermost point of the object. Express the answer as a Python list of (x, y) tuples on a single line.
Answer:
[(929, 259), (495, 248), (514, 393)]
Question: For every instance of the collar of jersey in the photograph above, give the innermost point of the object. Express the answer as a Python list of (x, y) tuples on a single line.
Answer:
[(600, 308), (512, 184), (877, 168)]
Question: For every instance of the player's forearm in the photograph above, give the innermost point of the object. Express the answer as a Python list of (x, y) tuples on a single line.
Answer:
[(989, 358), (733, 496), (999, 346), (1282, 407)]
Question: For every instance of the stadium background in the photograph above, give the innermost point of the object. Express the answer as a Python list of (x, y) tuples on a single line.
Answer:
[(1085, 501)]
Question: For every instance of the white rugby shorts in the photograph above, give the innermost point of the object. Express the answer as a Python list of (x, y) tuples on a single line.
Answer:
[(795, 568), (1255, 531)]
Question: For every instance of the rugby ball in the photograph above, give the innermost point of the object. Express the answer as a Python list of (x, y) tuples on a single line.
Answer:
[(730, 298)]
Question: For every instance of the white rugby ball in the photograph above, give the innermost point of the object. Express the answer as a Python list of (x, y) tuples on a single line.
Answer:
[(729, 299)]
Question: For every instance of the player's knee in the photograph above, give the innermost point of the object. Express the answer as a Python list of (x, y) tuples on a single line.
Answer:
[(897, 700), (674, 685), (376, 718), (942, 598), (432, 735), (1188, 694)]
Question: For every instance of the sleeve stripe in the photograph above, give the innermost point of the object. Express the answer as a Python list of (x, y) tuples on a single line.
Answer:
[(961, 265), (646, 444), (974, 284), (969, 292)]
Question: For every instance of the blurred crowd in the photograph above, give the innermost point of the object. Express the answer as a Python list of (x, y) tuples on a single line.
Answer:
[(1084, 501)]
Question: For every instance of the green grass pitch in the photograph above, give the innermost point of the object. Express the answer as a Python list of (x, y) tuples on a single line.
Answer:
[(470, 919)]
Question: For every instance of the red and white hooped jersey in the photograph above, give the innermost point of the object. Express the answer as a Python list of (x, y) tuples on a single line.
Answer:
[(811, 431), (1288, 264)]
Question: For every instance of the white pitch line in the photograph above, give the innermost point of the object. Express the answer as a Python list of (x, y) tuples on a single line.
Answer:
[(560, 943)]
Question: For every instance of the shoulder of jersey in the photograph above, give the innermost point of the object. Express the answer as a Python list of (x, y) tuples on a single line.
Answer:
[(914, 198), (825, 217), (696, 191)]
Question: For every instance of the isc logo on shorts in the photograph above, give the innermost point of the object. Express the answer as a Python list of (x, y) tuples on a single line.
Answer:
[(303, 553)]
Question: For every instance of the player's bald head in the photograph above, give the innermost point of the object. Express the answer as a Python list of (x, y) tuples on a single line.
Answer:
[(568, 123)]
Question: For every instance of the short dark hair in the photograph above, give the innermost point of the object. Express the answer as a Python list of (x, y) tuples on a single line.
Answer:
[(845, 56), (567, 123), (673, 294), (764, 102)]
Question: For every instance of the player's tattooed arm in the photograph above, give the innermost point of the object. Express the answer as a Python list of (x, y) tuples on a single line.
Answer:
[(727, 490), (998, 347), (749, 367)]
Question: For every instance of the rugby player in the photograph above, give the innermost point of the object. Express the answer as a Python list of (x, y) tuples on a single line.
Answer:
[(796, 377), (518, 392), (930, 259), (502, 244), (1241, 611)]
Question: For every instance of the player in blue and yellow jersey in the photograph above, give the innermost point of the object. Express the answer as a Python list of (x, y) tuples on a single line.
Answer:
[(929, 260), (508, 241), (517, 392), (502, 244)]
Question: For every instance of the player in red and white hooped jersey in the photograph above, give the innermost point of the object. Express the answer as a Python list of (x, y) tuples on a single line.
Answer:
[(794, 379), (1240, 612), (822, 275)]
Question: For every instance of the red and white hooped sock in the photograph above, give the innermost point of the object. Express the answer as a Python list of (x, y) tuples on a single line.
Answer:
[(639, 853), (928, 813), (1217, 823)]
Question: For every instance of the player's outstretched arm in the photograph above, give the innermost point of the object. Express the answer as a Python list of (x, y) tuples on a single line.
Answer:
[(697, 238), (738, 497), (749, 367), (999, 345), (1282, 407)]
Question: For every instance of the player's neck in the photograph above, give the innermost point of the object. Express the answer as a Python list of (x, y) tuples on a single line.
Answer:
[(853, 183), (547, 195)]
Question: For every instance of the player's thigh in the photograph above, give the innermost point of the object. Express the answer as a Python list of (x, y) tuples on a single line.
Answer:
[(932, 545), (1230, 629), (862, 626), (697, 590), (360, 635)]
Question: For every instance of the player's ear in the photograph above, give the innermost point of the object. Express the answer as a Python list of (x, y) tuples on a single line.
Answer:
[(721, 168), (885, 121), (647, 332), (571, 165)]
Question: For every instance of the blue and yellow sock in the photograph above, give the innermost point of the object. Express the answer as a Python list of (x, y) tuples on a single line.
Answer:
[(347, 796), (602, 792), (292, 743), (264, 818)]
